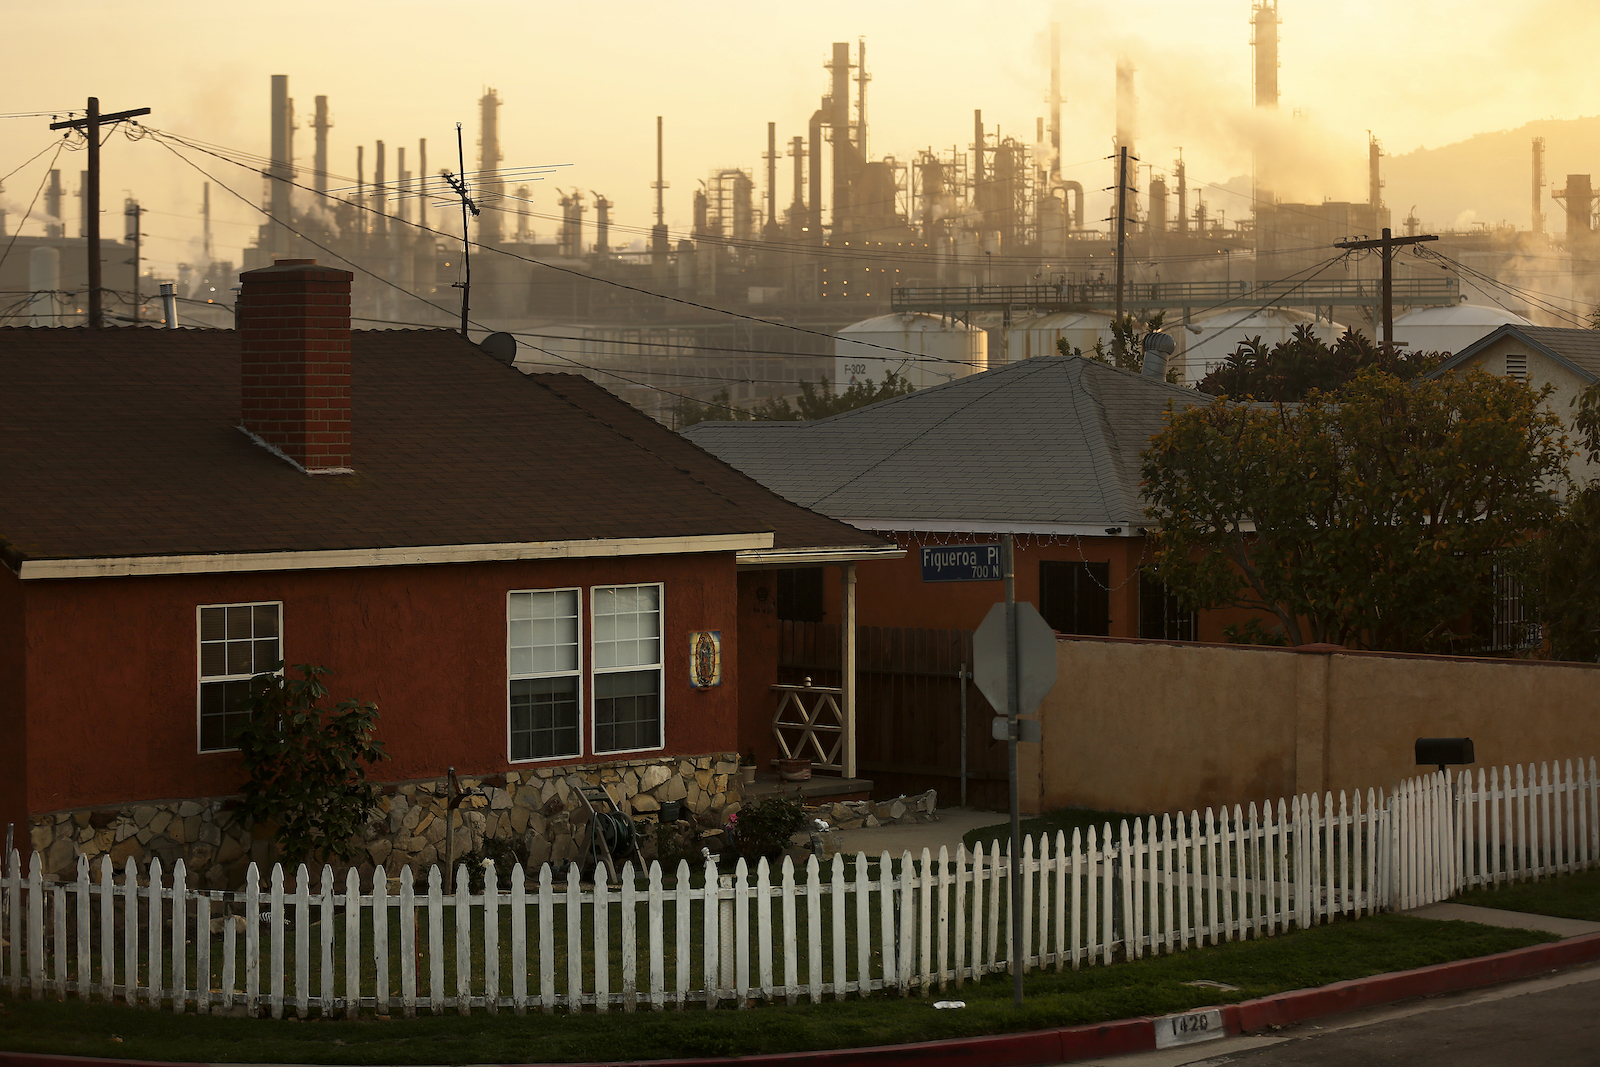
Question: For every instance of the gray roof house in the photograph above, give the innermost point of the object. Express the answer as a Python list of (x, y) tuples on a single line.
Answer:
[(1042, 446), (1567, 359)]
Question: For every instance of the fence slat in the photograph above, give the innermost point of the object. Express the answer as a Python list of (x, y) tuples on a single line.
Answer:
[(942, 919), (491, 937), (130, 933), (863, 926), (302, 942), (789, 937), (600, 932), (352, 940), (380, 937), (628, 933), (410, 955), (547, 937), (574, 911), (837, 891), (681, 936), (14, 916), (886, 922), (712, 934), (904, 940), (463, 923), (180, 937), (58, 940), (741, 932), (658, 967), (325, 917), (519, 938), (813, 929), (202, 952), (764, 926)]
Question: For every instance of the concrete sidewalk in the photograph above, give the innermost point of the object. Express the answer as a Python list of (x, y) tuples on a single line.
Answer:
[(1516, 920), (947, 830)]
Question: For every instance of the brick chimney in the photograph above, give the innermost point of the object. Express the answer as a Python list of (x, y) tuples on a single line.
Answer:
[(294, 338)]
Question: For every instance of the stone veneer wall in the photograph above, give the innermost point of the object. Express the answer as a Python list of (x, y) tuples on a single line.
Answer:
[(534, 805)]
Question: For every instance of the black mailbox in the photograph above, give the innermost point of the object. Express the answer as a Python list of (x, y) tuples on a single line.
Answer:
[(1441, 751)]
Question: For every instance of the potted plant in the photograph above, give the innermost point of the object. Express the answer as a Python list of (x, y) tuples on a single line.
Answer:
[(794, 770), (747, 767)]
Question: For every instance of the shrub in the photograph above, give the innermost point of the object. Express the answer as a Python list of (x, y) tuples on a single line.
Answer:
[(306, 766), (765, 827)]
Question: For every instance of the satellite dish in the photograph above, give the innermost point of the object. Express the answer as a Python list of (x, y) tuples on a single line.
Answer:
[(501, 346)]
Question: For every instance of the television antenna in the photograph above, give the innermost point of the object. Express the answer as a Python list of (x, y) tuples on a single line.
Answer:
[(458, 185)]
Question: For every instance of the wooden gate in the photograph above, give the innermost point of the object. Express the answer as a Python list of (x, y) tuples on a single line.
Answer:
[(908, 708)]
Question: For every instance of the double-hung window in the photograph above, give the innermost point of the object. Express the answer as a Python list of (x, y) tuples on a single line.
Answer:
[(544, 665), (627, 667), (237, 642)]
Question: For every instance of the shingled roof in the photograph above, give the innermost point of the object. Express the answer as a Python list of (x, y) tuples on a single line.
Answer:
[(125, 442), (1043, 443)]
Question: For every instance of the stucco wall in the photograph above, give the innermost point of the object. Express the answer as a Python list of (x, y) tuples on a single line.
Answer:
[(1542, 371), (13, 722), (1155, 726), (111, 667)]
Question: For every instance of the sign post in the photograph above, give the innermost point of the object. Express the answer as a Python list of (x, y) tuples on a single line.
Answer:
[(1014, 665)]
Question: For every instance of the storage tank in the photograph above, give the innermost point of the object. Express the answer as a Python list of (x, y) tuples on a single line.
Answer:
[(1208, 342), (1038, 336), (937, 350), (1450, 329)]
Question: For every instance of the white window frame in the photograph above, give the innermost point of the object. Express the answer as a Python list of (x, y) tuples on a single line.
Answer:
[(659, 667), (577, 672), (201, 678)]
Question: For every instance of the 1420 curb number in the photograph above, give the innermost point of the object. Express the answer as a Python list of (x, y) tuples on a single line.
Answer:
[(1189, 1027)]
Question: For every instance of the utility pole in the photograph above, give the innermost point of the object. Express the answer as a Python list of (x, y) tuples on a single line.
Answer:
[(458, 183), (1122, 242), (1017, 953), (1386, 246), (90, 124)]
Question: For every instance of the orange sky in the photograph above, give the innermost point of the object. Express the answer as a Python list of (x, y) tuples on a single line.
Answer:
[(582, 84)]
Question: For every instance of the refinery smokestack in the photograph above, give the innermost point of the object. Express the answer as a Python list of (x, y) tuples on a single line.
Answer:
[(1264, 22), (320, 160), (52, 206), (489, 165), (1538, 185), (1055, 100), (839, 100), (280, 168), (1127, 105)]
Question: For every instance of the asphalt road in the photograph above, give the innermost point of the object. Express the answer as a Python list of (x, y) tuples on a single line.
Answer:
[(1543, 1022)]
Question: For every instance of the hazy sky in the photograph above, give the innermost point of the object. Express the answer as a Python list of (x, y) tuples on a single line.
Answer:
[(582, 84)]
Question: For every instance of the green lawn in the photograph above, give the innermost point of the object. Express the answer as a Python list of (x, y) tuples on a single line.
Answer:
[(1312, 957), (1570, 896)]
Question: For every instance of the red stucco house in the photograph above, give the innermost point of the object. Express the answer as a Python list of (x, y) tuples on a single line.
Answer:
[(517, 569)]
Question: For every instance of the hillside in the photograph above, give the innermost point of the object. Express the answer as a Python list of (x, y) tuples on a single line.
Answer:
[(1487, 178)]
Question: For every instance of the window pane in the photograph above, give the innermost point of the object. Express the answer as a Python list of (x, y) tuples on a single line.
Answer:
[(239, 657), (239, 623), (266, 620), (267, 655), (520, 661), (627, 626), (213, 659), (520, 633), (220, 714), (520, 606), (544, 717), (627, 711), (213, 624)]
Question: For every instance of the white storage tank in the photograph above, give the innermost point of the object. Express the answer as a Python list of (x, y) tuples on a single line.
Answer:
[(1450, 329), (936, 350), (1206, 343), (1037, 336)]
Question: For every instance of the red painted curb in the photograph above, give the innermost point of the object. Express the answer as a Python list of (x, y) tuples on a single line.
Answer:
[(1105, 1039), (1281, 1009)]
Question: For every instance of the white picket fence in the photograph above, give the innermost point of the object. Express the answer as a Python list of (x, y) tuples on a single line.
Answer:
[(783, 933)]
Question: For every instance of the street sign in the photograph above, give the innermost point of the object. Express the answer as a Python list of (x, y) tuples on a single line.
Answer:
[(961, 563), (1036, 657)]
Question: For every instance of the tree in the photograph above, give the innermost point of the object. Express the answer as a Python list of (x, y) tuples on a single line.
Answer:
[(1125, 330), (1560, 570), (817, 400), (306, 766), (720, 408), (1370, 516), (1290, 370)]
